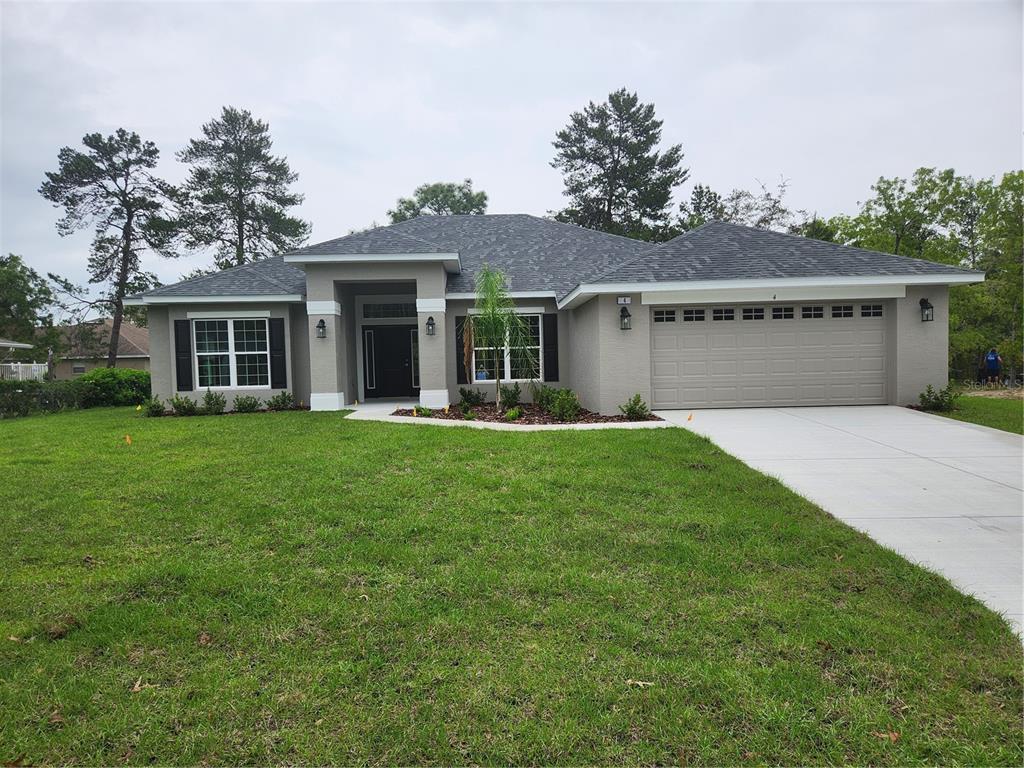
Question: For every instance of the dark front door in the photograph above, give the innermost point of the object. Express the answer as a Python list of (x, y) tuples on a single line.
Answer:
[(389, 361)]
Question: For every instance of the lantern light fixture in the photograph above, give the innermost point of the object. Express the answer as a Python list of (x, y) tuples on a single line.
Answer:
[(431, 326), (927, 311), (625, 319), (321, 329)]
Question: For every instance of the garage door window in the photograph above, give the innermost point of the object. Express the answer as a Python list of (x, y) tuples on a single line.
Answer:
[(782, 313), (870, 310), (723, 314), (753, 313), (842, 310), (693, 315), (812, 313), (664, 315)]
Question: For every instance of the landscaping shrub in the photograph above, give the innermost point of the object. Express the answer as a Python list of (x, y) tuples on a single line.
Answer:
[(635, 409), (247, 404), (542, 396), (565, 406), (421, 410), (943, 400), (214, 403), (154, 406), (512, 414), (22, 398), (510, 395), (282, 401), (183, 405), (471, 397), (112, 386)]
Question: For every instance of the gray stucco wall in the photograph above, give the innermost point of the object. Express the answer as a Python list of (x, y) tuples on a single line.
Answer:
[(161, 349), (585, 353), (917, 352)]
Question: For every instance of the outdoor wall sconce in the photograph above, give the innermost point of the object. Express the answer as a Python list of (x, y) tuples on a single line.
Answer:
[(321, 329), (431, 326), (927, 311), (625, 319)]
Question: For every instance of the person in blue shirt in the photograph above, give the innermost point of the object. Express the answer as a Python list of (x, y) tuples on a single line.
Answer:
[(993, 366)]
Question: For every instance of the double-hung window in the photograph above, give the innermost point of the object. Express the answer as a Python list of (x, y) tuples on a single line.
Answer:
[(232, 353), (520, 364)]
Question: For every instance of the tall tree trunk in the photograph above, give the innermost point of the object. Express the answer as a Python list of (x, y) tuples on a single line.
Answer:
[(240, 231), (120, 287)]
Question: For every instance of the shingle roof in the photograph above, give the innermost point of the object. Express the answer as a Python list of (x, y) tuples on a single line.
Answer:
[(721, 251), (90, 339), (267, 277), (542, 255)]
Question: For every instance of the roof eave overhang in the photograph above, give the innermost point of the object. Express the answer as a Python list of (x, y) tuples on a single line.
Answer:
[(781, 289), (451, 261), (277, 298)]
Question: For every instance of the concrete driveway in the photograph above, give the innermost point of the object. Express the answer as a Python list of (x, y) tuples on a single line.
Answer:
[(940, 492)]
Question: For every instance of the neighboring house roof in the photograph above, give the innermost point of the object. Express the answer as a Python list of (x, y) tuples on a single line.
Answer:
[(8, 344), (541, 255), (89, 340), (721, 251)]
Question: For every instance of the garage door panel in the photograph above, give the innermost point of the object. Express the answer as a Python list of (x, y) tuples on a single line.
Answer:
[(798, 361)]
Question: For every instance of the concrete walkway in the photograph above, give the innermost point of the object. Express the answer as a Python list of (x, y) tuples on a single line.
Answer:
[(940, 492)]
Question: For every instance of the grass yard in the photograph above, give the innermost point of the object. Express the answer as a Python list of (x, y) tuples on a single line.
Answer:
[(999, 412), (297, 588)]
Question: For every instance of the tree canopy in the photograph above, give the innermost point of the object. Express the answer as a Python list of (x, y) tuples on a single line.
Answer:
[(441, 199), (111, 187), (616, 178), (237, 195)]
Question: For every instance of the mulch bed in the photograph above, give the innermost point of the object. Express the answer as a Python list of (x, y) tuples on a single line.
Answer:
[(531, 415)]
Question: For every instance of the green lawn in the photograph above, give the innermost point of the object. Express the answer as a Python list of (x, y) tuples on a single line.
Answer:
[(297, 588), (1001, 413)]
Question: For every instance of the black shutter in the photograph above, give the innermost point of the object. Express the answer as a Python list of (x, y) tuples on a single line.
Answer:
[(550, 346), (278, 365), (183, 355), (460, 357)]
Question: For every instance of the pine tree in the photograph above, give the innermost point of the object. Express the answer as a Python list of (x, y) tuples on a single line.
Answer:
[(615, 177), (237, 196), (111, 186), (440, 199)]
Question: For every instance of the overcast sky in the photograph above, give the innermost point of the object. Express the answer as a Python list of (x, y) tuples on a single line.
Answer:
[(369, 100)]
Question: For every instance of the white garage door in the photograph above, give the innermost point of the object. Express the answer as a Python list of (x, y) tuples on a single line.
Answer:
[(768, 355)]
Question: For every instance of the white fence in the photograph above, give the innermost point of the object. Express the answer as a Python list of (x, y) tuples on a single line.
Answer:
[(23, 371)]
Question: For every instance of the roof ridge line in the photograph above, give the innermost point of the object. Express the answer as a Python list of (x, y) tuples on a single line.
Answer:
[(266, 278), (626, 263)]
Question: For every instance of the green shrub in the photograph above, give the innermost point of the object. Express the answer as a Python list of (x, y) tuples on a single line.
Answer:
[(154, 406), (214, 403), (22, 398), (542, 396), (510, 395), (247, 404), (942, 400), (183, 405), (282, 401), (565, 406), (112, 386), (635, 409), (422, 410), (471, 397), (513, 413)]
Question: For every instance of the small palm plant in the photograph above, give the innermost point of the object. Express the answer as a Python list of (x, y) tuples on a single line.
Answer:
[(495, 325)]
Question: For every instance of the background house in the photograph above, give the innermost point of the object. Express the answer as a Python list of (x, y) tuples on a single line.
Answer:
[(84, 347)]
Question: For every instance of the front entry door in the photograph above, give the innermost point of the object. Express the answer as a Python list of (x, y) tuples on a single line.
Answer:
[(390, 367)]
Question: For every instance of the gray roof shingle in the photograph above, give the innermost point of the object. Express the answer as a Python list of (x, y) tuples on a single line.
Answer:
[(542, 255), (721, 251)]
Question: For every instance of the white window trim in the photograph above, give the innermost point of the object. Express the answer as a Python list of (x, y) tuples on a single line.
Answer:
[(254, 314), (232, 362), (507, 358)]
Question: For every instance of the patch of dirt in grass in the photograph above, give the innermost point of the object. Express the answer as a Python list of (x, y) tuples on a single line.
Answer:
[(998, 394), (531, 414)]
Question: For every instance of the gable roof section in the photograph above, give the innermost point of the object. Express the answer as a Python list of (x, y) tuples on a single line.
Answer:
[(382, 240), (722, 251)]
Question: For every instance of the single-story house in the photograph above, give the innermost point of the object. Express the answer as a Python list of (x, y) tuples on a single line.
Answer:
[(721, 316), (85, 347)]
